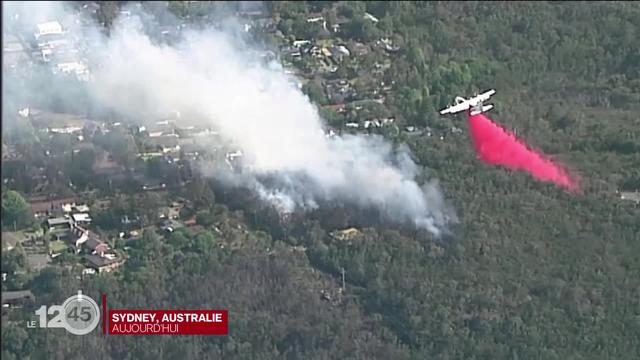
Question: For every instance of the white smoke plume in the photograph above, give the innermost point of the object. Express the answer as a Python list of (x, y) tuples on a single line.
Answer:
[(287, 159)]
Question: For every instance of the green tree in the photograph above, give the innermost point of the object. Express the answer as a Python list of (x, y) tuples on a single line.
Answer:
[(315, 92), (205, 218), (82, 167), (148, 206), (14, 259), (15, 211), (199, 192)]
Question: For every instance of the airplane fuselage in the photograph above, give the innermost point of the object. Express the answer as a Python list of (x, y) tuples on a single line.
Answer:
[(472, 106)]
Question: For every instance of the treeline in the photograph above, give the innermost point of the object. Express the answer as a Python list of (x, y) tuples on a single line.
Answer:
[(532, 272)]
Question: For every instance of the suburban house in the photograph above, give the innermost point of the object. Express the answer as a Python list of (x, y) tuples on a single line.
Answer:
[(59, 226), (630, 196), (346, 234), (85, 238), (79, 237), (10, 298), (103, 262), (101, 257), (81, 219), (42, 207), (96, 246), (70, 207), (164, 143), (170, 225)]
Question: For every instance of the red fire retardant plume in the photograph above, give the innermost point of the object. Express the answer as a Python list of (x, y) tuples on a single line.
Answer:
[(497, 146)]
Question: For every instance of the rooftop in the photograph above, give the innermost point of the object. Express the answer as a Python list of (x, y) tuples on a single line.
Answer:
[(58, 221), (631, 196), (81, 217), (101, 261), (51, 27), (16, 295), (94, 244)]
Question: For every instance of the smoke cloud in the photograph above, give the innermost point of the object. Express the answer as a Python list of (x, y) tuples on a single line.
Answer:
[(286, 157)]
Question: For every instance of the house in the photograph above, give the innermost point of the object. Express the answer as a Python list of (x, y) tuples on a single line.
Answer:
[(160, 128), (82, 208), (48, 28), (345, 234), (40, 206), (104, 262), (339, 52), (81, 218), (70, 207), (20, 297), (130, 222), (78, 237), (170, 212), (87, 239), (95, 246), (171, 225), (75, 67), (164, 143), (630, 196), (300, 43), (59, 225)]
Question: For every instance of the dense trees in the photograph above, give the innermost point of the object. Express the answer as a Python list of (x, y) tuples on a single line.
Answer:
[(15, 211), (530, 272)]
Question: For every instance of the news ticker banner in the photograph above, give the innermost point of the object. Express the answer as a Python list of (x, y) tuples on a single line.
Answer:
[(168, 322), (80, 315)]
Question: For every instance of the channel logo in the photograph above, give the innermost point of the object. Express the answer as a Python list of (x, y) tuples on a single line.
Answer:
[(80, 315)]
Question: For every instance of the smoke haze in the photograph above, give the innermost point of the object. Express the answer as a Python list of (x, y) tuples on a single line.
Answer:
[(286, 157)]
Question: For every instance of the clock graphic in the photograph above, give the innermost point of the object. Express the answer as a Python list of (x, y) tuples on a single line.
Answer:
[(81, 314)]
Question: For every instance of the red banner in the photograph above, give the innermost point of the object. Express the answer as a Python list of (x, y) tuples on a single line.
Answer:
[(168, 322)]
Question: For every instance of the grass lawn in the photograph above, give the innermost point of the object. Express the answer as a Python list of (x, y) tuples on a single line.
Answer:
[(58, 246), (27, 233)]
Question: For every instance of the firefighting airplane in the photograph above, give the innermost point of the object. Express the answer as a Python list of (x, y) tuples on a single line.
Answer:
[(474, 104)]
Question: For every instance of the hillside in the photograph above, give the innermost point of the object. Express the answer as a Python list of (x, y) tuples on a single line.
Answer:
[(530, 272)]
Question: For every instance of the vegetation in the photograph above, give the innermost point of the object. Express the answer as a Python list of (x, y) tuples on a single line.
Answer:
[(15, 210), (532, 272)]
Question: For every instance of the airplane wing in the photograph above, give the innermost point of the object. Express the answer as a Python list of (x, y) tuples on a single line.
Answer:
[(455, 108), (486, 95)]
